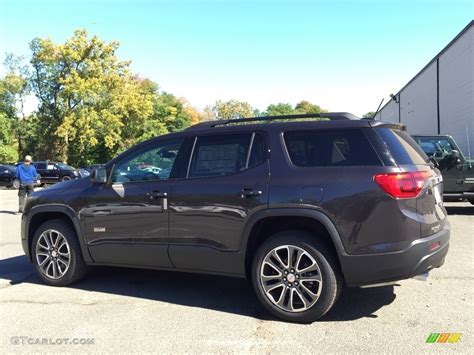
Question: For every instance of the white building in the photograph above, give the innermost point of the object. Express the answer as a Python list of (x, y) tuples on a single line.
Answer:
[(440, 98)]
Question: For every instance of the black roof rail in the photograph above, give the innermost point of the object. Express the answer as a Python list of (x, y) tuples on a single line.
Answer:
[(332, 116)]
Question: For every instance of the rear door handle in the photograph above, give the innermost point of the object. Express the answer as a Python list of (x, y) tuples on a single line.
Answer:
[(246, 192)]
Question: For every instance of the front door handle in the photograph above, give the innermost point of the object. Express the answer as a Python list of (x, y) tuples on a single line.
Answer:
[(246, 192), (156, 194)]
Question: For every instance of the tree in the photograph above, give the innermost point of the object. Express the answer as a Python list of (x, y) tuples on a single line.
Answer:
[(13, 90), (232, 109), (8, 153), (280, 109), (90, 105), (307, 107), (369, 114), (207, 113)]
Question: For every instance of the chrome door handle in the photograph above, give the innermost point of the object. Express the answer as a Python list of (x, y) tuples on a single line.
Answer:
[(157, 194), (101, 212), (246, 192)]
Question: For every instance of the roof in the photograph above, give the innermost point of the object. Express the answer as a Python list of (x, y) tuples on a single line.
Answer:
[(331, 116), (460, 34)]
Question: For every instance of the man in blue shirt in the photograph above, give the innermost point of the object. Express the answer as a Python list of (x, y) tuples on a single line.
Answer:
[(26, 174)]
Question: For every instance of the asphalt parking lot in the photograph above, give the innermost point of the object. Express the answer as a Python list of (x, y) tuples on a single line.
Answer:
[(126, 310)]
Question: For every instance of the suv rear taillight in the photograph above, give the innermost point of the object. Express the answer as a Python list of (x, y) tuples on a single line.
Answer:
[(403, 185)]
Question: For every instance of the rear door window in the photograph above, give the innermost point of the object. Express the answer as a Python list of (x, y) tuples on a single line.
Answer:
[(220, 155), (330, 148), (258, 151)]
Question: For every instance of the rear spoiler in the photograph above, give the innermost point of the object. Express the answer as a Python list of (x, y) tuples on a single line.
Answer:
[(384, 124)]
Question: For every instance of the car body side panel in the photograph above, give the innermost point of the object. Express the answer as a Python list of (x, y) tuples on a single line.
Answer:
[(367, 219)]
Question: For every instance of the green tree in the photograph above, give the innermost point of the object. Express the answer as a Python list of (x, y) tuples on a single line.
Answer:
[(8, 153), (307, 107), (90, 105), (14, 87), (369, 114), (232, 109), (280, 109)]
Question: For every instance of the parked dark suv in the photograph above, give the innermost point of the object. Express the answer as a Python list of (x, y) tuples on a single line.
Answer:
[(52, 172), (8, 177), (297, 206)]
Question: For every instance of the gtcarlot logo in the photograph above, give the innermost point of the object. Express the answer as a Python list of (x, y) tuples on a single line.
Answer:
[(26, 340), (443, 338)]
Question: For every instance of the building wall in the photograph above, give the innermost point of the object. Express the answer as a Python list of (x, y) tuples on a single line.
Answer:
[(418, 103), (419, 99), (456, 91), (389, 113)]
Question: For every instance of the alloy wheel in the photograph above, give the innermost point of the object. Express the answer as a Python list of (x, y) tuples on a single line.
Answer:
[(291, 278), (53, 254)]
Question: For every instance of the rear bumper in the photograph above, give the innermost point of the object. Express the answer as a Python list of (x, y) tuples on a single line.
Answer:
[(416, 259)]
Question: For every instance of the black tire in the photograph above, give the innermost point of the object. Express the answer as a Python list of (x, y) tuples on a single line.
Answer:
[(329, 273), (471, 201), (66, 178), (77, 268)]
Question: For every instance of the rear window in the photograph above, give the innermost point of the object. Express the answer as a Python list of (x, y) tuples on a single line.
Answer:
[(330, 148), (402, 147)]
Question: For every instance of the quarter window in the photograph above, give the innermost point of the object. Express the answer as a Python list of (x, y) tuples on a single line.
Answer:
[(330, 148)]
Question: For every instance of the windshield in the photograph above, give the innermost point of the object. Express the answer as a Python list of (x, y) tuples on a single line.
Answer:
[(65, 166)]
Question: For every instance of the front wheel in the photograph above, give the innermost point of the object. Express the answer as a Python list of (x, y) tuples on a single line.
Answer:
[(66, 178), (471, 200), (16, 184), (296, 276), (56, 254)]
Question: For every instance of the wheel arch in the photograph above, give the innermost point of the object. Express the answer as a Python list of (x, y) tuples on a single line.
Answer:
[(266, 223), (43, 213)]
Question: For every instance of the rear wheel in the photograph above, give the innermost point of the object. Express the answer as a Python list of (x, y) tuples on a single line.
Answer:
[(56, 254), (66, 178), (471, 201), (296, 277)]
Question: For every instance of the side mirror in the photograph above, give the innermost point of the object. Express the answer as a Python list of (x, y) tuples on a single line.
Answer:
[(455, 154), (99, 176)]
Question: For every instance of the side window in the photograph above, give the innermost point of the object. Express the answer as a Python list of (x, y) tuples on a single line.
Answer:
[(150, 164), (330, 148), (219, 155), (258, 153), (41, 166), (435, 147)]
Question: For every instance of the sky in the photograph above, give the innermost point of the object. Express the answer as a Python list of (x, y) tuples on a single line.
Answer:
[(344, 55)]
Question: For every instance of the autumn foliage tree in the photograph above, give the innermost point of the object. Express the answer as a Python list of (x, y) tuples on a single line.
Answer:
[(90, 104)]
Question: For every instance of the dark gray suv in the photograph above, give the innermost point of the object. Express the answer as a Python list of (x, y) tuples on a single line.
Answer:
[(298, 204)]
